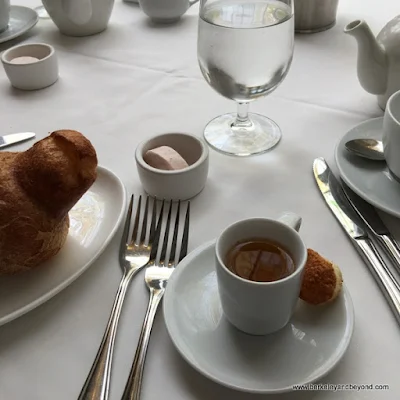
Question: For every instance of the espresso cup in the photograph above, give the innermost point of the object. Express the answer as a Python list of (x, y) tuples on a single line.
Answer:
[(391, 134), (259, 308), (4, 14)]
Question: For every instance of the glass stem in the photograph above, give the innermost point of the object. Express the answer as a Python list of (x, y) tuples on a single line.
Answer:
[(242, 117)]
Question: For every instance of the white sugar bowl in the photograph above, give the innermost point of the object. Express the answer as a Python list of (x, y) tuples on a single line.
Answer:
[(181, 184), (31, 66)]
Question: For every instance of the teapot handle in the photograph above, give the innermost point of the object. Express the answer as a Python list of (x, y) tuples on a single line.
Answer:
[(192, 2), (78, 11)]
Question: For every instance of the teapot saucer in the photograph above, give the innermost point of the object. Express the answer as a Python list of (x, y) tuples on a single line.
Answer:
[(310, 345), (22, 19)]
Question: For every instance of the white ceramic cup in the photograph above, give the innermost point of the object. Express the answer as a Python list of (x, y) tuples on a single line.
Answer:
[(259, 308), (165, 11), (4, 14), (391, 134)]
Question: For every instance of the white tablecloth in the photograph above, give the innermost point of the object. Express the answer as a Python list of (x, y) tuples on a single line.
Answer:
[(135, 80)]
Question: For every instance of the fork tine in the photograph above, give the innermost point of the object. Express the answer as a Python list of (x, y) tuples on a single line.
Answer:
[(166, 235), (136, 226), (125, 233), (185, 237), (144, 224), (153, 221), (156, 239), (175, 237)]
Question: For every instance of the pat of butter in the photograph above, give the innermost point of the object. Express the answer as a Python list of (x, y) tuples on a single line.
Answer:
[(166, 158), (24, 60)]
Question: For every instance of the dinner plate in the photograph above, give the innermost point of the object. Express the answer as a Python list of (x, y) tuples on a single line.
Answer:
[(371, 180), (310, 345), (22, 19), (93, 222)]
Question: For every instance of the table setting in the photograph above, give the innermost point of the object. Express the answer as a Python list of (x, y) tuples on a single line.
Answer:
[(157, 243)]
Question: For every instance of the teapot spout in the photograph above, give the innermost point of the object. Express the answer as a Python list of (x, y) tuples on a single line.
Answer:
[(372, 65)]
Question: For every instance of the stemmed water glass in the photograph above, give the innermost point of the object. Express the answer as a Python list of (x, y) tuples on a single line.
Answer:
[(245, 48)]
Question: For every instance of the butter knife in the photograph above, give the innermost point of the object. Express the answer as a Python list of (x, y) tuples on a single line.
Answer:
[(341, 207), (13, 138), (374, 222)]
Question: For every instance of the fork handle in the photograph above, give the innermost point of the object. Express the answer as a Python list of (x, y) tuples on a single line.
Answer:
[(97, 383), (134, 383)]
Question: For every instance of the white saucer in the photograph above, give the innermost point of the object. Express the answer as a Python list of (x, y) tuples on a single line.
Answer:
[(93, 223), (305, 350), (371, 180), (22, 19)]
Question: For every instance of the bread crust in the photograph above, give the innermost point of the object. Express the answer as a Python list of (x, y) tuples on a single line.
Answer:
[(38, 187)]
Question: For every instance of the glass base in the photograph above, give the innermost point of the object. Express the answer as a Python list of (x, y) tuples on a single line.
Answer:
[(257, 138), (41, 12)]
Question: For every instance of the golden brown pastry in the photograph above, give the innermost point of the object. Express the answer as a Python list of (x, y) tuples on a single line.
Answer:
[(322, 280), (37, 189)]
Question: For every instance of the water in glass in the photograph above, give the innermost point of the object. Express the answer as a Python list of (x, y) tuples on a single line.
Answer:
[(245, 49)]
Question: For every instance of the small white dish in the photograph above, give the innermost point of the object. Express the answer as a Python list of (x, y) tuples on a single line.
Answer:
[(180, 184), (33, 75), (22, 19), (160, 12), (310, 345), (93, 223), (371, 180)]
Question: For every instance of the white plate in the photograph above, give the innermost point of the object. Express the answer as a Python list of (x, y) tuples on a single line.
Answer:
[(22, 19), (305, 350), (93, 222), (371, 180)]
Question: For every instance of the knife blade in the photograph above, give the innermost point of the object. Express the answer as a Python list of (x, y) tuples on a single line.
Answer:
[(371, 218), (353, 225), (13, 138)]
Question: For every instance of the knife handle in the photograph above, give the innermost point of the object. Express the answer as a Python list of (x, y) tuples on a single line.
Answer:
[(386, 280), (392, 249)]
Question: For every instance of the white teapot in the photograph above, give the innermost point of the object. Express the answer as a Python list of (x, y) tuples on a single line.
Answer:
[(79, 17), (378, 64)]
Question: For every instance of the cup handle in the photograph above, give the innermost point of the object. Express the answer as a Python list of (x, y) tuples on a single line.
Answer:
[(191, 2), (291, 219)]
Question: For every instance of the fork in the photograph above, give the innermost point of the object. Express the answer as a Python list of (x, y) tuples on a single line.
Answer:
[(133, 256), (156, 278)]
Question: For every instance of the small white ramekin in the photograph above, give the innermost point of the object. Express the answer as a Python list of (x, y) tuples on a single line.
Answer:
[(181, 184), (31, 76)]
